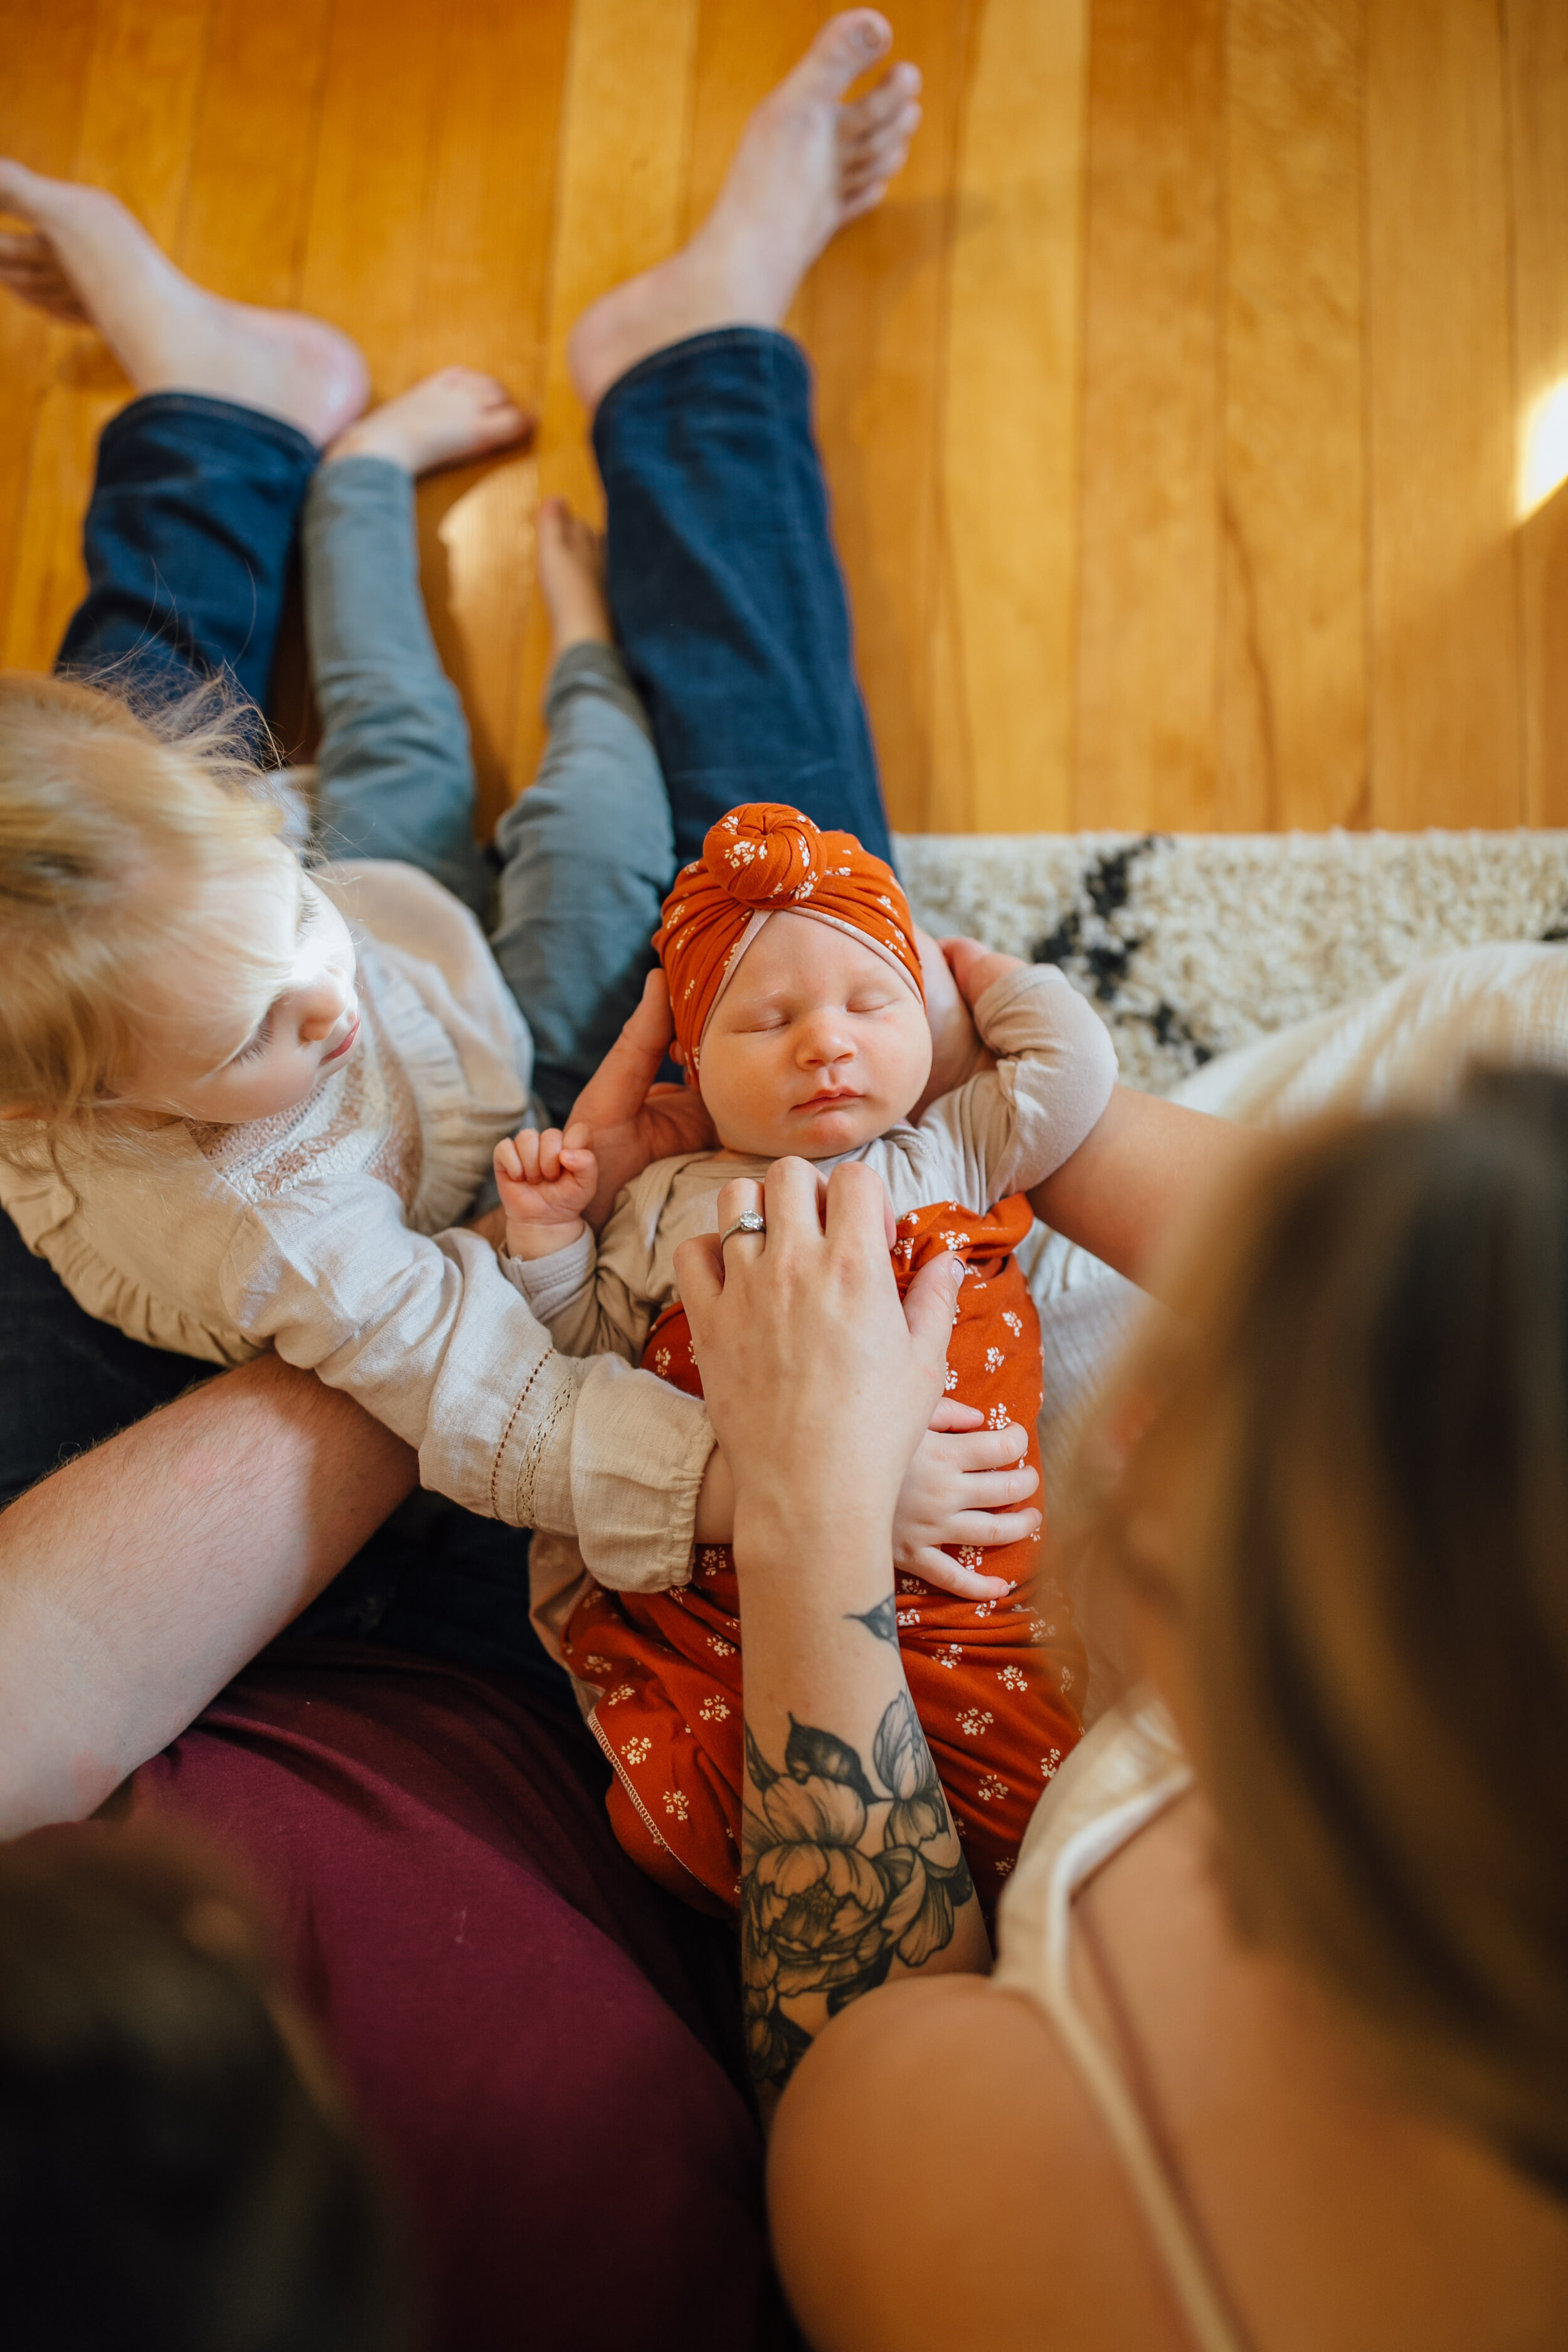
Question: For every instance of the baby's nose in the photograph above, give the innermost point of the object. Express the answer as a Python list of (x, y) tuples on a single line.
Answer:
[(824, 1042)]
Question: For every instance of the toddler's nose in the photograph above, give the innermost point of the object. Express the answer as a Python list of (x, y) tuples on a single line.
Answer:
[(322, 1007)]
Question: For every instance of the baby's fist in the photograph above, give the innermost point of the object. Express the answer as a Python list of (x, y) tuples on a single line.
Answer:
[(546, 1183)]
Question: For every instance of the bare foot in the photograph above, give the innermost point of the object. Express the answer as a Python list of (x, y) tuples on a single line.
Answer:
[(89, 261), (454, 414), (807, 163), (571, 574)]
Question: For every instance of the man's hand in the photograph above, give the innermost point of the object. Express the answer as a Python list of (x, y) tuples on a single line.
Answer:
[(545, 1182), (630, 1119), (956, 1050)]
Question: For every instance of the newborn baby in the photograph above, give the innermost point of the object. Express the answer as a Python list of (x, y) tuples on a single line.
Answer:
[(799, 1009)]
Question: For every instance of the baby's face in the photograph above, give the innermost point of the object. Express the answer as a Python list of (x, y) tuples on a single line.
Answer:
[(816, 1046), (244, 1024)]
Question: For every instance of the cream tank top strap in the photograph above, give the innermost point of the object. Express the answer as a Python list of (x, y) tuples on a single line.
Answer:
[(1126, 1770)]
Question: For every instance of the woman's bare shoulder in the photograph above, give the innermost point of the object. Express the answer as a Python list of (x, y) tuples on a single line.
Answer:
[(937, 2177)]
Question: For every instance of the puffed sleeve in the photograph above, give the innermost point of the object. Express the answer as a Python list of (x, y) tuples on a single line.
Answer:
[(430, 1337)]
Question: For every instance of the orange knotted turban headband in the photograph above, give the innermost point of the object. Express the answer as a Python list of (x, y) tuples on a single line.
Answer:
[(766, 859)]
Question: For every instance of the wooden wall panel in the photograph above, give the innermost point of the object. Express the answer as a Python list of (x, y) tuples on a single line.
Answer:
[(1446, 667), (1536, 32), (1171, 405), (622, 161), (484, 295), (253, 151), (1291, 721), (143, 154), (1009, 443), (375, 158), (875, 322), (42, 93), (1149, 543)]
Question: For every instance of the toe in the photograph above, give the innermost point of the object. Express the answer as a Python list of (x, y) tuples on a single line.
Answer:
[(17, 187), (844, 49), (883, 157), (881, 106), (865, 199), (881, 161)]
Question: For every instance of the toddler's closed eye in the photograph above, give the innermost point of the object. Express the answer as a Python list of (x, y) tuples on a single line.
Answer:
[(257, 1045)]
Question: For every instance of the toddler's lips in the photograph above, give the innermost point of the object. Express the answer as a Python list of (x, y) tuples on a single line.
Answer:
[(834, 1098), (339, 1050)]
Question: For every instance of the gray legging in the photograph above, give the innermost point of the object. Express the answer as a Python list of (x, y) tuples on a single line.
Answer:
[(584, 856)]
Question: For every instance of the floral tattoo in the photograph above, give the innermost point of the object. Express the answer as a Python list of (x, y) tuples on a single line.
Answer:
[(822, 1914)]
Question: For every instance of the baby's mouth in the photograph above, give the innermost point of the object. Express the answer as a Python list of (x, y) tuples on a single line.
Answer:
[(830, 1098)]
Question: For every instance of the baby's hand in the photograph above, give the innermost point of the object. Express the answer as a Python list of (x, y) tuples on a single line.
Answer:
[(546, 1183), (965, 1486), (975, 968)]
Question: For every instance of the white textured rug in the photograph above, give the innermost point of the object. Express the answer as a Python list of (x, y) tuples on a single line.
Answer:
[(1189, 944)]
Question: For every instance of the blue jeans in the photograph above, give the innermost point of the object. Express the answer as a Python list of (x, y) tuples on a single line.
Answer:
[(582, 859), (187, 543), (726, 596), (734, 629)]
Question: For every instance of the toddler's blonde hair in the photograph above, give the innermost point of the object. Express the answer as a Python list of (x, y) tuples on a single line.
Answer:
[(113, 820)]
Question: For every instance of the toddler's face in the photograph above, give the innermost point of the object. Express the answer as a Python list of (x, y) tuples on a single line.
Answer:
[(247, 1033), (816, 1046)]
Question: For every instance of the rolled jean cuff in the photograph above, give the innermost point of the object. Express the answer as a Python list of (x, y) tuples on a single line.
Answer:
[(691, 351), (252, 425), (591, 668), (187, 542)]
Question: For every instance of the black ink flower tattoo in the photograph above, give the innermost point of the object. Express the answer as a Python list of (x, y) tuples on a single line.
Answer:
[(828, 1904)]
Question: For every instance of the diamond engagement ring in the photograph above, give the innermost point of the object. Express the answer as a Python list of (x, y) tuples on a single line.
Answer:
[(750, 1221)]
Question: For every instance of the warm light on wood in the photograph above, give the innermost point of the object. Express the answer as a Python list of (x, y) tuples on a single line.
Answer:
[(1195, 410)]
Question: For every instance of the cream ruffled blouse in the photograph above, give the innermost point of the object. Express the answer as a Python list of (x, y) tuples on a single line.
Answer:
[(328, 1234)]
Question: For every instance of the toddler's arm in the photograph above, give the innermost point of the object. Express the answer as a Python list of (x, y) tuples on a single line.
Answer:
[(429, 1335), (1010, 1128)]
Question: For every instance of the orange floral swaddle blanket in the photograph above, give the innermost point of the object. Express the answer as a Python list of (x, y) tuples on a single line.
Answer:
[(996, 1684)]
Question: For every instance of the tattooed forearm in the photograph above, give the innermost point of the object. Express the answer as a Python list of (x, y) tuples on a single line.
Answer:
[(845, 1870), (882, 1621)]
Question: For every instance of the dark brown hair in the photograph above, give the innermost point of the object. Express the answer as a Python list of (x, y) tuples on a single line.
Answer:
[(1364, 1413), (169, 2181)]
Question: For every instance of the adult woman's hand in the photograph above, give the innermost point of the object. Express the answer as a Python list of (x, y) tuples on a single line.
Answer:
[(821, 1384)]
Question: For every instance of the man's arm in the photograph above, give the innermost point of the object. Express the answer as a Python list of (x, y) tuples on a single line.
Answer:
[(138, 1580)]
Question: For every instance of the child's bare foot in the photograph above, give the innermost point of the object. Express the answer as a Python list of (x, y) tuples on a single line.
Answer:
[(84, 258), (571, 574), (806, 164), (454, 414)]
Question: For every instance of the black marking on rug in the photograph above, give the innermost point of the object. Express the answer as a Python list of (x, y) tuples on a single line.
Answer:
[(1089, 946)]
